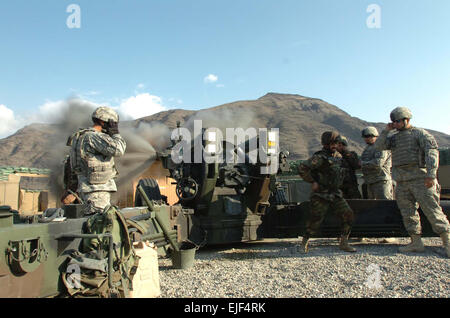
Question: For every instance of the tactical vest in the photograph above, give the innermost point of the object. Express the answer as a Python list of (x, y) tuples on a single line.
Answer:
[(406, 149), (330, 175), (97, 168), (372, 174), (368, 153), (408, 158)]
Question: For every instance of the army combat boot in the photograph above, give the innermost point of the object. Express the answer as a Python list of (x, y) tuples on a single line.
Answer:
[(446, 242), (343, 245), (416, 245), (303, 248)]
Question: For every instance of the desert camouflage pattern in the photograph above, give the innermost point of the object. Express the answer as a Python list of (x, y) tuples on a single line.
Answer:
[(97, 152), (342, 139), (369, 131), (415, 157), (401, 113), (92, 158), (376, 169), (96, 201), (411, 194), (414, 153), (381, 190), (105, 113), (325, 168), (375, 165)]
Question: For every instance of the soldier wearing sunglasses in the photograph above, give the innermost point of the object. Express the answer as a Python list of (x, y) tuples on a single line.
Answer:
[(415, 160)]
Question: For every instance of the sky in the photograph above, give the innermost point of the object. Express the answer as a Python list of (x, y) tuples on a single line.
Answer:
[(146, 56)]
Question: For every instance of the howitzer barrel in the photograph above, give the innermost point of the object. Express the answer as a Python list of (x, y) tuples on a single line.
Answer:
[(161, 224), (154, 237)]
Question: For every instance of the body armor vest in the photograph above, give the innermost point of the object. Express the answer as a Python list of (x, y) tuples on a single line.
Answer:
[(408, 159), (374, 174), (406, 149), (96, 168)]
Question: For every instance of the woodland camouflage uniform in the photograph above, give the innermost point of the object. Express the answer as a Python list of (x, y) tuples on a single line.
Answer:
[(324, 167), (351, 163)]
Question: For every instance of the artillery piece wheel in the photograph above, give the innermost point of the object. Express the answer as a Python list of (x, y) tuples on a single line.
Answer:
[(187, 189), (151, 189)]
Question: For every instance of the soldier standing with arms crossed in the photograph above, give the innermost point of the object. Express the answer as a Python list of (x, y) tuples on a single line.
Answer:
[(325, 173), (92, 158), (415, 160), (376, 167)]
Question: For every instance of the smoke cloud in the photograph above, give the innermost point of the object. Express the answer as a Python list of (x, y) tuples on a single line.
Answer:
[(143, 141)]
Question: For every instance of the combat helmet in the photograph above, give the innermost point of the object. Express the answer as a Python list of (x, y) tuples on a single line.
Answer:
[(400, 113), (341, 139), (105, 114), (329, 137), (369, 131)]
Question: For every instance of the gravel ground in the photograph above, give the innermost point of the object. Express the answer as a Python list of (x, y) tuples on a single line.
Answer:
[(273, 268)]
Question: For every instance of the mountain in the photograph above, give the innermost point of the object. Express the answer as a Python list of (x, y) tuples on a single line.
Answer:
[(301, 121), (27, 147)]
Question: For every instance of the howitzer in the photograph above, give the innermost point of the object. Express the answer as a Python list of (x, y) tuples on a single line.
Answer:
[(227, 197), (234, 202), (35, 254)]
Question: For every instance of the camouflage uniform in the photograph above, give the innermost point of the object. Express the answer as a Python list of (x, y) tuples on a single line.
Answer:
[(350, 162), (376, 168), (415, 157), (92, 158), (324, 167), (70, 181)]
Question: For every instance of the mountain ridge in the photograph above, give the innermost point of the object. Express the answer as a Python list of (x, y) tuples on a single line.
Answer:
[(300, 119)]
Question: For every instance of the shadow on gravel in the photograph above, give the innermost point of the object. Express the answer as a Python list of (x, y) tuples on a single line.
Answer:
[(318, 248), (326, 248)]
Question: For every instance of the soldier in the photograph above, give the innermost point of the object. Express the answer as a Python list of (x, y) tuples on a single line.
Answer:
[(350, 162), (325, 173), (376, 167), (92, 158), (415, 160)]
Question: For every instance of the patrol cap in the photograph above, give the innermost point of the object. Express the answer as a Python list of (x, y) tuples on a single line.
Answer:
[(369, 132), (400, 113), (329, 137), (341, 139), (105, 113)]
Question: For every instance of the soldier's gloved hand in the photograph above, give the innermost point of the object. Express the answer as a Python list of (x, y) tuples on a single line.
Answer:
[(113, 127)]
